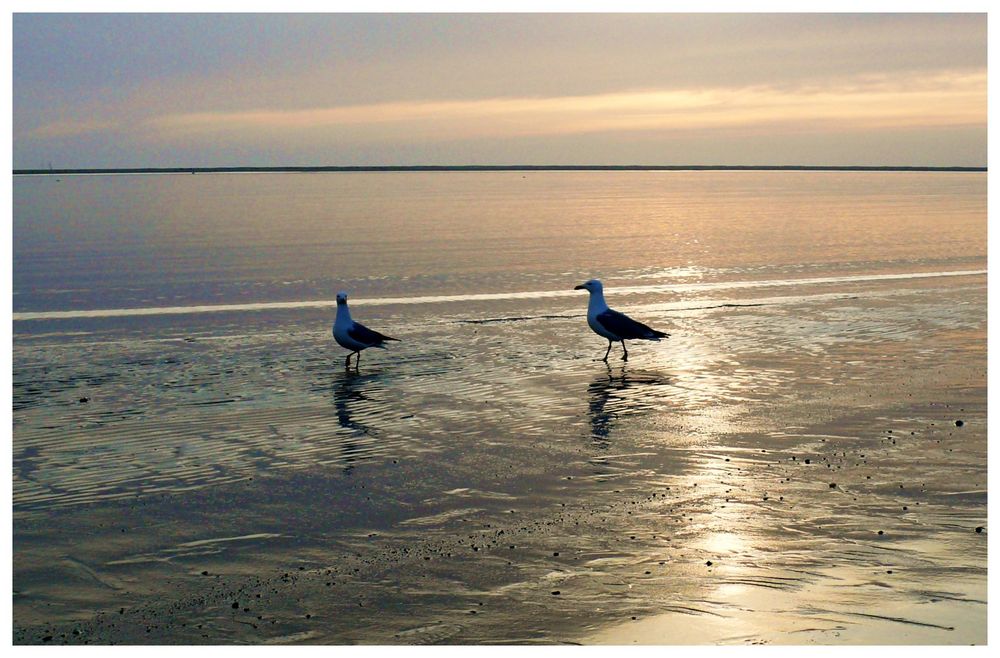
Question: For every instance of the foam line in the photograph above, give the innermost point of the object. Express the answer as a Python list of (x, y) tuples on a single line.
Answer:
[(443, 299)]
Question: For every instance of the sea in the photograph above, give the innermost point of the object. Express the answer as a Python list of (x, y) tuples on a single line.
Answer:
[(193, 462)]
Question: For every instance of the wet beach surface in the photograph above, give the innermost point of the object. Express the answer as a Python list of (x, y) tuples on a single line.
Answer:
[(794, 465)]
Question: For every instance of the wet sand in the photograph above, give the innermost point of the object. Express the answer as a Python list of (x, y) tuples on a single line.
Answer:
[(791, 467)]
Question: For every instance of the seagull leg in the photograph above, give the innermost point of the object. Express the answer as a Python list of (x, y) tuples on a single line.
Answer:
[(357, 361), (605, 359), (624, 356), (347, 361)]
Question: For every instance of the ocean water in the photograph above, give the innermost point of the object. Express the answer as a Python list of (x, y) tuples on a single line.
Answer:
[(110, 242), (186, 437)]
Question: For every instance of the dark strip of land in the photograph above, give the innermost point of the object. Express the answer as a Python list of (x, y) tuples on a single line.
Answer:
[(230, 170)]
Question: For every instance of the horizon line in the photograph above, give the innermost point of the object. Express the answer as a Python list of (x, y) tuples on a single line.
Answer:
[(516, 167)]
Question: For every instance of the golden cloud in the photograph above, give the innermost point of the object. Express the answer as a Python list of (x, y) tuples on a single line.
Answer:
[(864, 103)]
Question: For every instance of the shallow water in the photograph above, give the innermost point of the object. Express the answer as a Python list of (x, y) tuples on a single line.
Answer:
[(100, 242), (488, 480)]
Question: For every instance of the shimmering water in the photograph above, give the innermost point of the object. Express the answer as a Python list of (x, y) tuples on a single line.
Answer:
[(98, 242), (186, 436)]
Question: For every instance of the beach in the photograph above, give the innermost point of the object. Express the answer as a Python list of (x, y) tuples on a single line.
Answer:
[(802, 461), (757, 477)]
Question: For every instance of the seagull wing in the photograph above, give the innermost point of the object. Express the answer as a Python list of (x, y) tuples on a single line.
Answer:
[(626, 328), (363, 334)]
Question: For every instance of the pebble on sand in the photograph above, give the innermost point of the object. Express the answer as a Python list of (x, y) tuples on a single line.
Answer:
[(959, 423)]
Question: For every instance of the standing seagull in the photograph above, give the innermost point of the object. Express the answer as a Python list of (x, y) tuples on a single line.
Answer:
[(354, 335), (612, 324)]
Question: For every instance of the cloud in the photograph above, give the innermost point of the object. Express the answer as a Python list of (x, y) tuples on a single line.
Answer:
[(254, 88), (941, 100), (71, 128)]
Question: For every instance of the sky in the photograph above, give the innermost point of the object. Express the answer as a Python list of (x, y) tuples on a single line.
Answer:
[(202, 90)]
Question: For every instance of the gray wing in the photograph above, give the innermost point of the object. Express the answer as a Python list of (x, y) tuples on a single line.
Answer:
[(363, 334), (626, 328)]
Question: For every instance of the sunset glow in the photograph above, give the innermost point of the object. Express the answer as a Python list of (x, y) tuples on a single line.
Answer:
[(956, 101), (897, 84)]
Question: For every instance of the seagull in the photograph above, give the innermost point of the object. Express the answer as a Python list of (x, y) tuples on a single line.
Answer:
[(612, 324), (354, 335)]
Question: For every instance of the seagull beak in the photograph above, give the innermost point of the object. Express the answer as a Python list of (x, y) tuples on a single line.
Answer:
[(579, 288)]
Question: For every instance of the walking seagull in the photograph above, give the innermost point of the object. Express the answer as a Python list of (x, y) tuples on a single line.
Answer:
[(611, 324), (354, 335)]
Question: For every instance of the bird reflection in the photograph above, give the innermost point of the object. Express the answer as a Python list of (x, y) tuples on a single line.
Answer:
[(348, 390), (616, 393)]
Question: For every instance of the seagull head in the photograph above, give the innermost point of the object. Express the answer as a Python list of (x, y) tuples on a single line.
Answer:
[(591, 286), (341, 298)]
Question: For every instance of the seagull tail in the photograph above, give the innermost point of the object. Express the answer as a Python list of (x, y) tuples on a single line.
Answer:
[(656, 335)]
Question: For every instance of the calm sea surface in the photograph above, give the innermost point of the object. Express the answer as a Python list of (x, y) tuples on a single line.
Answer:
[(802, 461), (126, 242)]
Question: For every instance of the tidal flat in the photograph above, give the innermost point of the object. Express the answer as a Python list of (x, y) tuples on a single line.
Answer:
[(803, 461), (790, 467)]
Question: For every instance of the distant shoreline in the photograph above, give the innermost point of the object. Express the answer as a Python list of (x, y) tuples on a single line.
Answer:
[(394, 168)]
